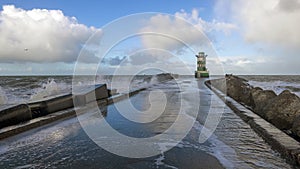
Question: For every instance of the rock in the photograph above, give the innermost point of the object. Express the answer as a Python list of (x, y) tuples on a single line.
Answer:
[(164, 77), (260, 99), (296, 126), (235, 87), (239, 89), (282, 110)]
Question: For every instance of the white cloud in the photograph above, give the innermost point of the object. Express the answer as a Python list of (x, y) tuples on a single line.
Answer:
[(271, 27), (240, 64), (40, 35), (273, 22), (261, 64), (178, 37), (189, 28), (206, 26)]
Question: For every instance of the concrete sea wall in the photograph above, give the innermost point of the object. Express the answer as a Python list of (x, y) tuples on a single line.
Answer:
[(62, 114), (15, 119), (15, 114)]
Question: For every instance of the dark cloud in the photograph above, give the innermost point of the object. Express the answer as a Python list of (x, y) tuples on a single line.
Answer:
[(289, 5), (150, 56), (115, 60), (142, 58)]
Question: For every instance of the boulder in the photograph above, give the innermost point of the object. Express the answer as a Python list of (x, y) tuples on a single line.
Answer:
[(239, 89), (296, 126), (235, 87), (260, 99), (282, 110)]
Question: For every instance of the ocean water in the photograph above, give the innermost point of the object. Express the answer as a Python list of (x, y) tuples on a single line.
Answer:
[(24, 89), (277, 83)]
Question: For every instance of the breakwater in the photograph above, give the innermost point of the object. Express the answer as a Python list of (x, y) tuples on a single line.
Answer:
[(262, 110)]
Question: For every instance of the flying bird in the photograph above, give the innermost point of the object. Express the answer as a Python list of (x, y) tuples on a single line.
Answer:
[(26, 49)]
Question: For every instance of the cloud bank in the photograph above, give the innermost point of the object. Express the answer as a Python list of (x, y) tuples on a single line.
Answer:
[(40, 35), (180, 36), (271, 26), (188, 28), (269, 22)]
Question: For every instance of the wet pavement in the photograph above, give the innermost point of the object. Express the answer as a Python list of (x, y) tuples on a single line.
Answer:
[(64, 144)]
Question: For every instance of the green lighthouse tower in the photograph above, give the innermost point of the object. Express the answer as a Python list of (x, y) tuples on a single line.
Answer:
[(201, 66)]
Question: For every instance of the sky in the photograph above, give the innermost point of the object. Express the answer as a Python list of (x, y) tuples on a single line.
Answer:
[(54, 37)]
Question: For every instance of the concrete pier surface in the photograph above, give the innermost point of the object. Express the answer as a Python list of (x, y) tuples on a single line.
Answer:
[(64, 144)]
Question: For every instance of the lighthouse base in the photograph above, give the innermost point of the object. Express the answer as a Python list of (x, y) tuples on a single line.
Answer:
[(201, 74)]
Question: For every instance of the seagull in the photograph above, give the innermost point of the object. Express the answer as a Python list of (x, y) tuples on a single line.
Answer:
[(26, 49)]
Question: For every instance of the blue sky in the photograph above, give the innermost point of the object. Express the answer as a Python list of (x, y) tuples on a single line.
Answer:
[(248, 37), (98, 13)]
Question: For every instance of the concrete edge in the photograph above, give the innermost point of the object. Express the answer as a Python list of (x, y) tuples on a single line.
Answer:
[(279, 141), (60, 115)]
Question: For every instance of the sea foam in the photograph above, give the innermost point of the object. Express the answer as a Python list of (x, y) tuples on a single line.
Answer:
[(277, 86)]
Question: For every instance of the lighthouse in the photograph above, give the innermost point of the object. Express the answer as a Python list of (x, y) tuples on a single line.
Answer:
[(201, 66)]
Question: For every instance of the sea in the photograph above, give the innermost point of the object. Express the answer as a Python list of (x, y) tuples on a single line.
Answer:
[(277, 83), (24, 89)]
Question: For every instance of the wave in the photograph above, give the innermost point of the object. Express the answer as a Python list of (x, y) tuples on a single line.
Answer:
[(277, 86), (16, 90), (50, 88)]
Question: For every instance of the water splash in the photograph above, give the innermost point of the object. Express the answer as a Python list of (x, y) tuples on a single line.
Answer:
[(154, 80), (50, 88), (3, 97)]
